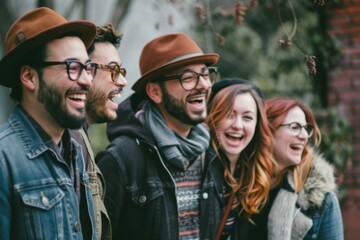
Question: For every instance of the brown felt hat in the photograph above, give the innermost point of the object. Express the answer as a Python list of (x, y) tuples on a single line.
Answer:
[(34, 29), (168, 52)]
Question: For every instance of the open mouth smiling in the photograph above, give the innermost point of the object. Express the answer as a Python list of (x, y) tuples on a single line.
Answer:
[(77, 96), (115, 96), (196, 99), (296, 146), (234, 136)]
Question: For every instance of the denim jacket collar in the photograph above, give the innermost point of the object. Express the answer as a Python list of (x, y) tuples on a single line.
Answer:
[(30, 139)]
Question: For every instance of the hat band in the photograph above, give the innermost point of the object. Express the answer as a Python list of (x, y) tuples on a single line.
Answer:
[(186, 56)]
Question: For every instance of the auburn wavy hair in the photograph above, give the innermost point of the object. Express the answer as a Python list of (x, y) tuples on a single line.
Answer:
[(276, 110), (256, 161)]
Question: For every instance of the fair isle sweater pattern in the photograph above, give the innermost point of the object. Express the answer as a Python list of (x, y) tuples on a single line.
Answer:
[(188, 198)]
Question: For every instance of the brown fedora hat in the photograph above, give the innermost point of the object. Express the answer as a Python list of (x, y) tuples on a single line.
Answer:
[(167, 52), (34, 29)]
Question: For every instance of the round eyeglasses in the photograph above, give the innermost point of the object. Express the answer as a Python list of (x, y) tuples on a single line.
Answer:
[(74, 68), (115, 71), (189, 79), (295, 128)]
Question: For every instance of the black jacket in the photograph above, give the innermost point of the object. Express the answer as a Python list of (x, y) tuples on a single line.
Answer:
[(241, 225), (140, 196)]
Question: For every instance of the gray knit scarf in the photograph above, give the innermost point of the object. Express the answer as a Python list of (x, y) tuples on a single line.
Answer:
[(175, 149)]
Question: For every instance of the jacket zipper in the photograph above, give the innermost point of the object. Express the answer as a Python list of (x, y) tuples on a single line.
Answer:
[(172, 179)]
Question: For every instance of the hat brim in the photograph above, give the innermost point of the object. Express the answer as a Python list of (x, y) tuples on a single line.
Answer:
[(208, 59), (85, 30)]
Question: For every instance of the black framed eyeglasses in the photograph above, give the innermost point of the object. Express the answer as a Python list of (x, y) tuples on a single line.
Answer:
[(189, 79), (74, 68), (115, 71), (295, 128)]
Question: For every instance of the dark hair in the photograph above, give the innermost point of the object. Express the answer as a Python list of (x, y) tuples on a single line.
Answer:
[(106, 33), (33, 59), (226, 82)]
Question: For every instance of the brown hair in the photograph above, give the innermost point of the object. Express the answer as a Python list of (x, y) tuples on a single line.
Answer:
[(106, 33), (276, 109), (256, 161)]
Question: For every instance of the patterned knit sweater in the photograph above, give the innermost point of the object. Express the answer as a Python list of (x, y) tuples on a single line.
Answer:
[(188, 198)]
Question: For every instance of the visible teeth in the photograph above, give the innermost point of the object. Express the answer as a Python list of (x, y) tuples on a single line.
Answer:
[(297, 146), (116, 98), (196, 99), (78, 96), (235, 135)]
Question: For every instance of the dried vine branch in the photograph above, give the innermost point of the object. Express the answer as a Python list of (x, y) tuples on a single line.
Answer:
[(310, 60), (239, 9)]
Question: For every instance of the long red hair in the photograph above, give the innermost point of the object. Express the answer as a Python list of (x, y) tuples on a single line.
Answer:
[(256, 161), (276, 110)]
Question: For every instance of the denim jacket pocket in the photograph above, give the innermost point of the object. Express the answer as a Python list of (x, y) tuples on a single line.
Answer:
[(42, 198), (43, 210)]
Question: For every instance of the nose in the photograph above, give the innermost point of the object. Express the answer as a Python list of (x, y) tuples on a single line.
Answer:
[(237, 123), (303, 134), (85, 79), (203, 83), (121, 81)]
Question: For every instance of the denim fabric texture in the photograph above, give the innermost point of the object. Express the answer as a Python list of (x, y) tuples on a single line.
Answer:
[(37, 197), (313, 213), (327, 222)]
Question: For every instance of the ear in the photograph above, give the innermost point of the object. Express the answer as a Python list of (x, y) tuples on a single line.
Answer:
[(28, 77), (154, 92)]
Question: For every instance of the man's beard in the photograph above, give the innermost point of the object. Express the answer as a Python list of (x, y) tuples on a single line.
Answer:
[(55, 104), (95, 106), (177, 109)]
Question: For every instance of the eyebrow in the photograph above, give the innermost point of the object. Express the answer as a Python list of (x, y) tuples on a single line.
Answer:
[(249, 112), (245, 112), (113, 62), (76, 59)]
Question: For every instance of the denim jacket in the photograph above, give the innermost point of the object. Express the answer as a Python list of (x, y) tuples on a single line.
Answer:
[(313, 213), (37, 197)]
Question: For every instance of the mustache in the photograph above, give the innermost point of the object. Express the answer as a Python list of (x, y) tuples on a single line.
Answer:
[(118, 90), (199, 92), (78, 89)]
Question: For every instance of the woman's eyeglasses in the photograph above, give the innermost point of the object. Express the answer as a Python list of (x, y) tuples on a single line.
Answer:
[(295, 128)]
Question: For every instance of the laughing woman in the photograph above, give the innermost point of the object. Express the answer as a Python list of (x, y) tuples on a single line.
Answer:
[(241, 145), (305, 206)]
